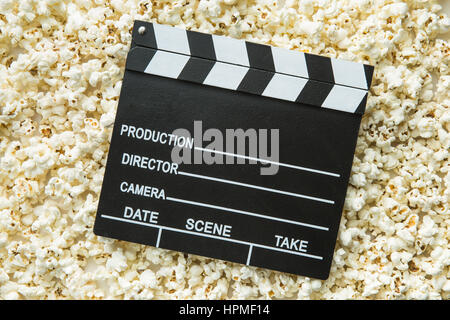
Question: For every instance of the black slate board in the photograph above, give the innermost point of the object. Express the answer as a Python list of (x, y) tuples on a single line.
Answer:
[(287, 221)]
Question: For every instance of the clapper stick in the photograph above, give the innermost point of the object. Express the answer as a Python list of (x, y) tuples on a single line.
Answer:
[(202, 84)]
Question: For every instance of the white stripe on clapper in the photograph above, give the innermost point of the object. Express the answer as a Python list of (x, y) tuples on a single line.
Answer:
[(230, 50), (171, 39), (289, 62), (225, 75), (349, 73), (344, 98), (284, 87), (166, 64)]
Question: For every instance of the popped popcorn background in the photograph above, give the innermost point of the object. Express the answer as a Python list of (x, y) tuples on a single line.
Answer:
[(60, 76)]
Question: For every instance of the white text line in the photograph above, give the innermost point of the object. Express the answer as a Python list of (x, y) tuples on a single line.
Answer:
[(268, 161), (201, 204), (211, 236), (254, 187)]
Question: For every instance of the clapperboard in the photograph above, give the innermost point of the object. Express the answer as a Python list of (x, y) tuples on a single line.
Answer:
[(201, 83)]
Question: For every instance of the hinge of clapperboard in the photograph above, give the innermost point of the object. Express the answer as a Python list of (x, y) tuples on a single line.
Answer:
[(249, 67)]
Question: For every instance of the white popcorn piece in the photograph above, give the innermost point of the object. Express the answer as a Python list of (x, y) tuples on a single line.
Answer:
[(117, 262)]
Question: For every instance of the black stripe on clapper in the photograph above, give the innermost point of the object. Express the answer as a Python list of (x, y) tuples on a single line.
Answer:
[(319, 68), (196, 70), (260, 56), (368, 70), (362, 106), (201, 45), (314, 93), (139, 58), (255, 81), (148, 38)]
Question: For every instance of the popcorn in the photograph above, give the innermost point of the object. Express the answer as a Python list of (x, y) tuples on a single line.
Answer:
[(117, 262), (58, 99), (24, 188), (426, 127)]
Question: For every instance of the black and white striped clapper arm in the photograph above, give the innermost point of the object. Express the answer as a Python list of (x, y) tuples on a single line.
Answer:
[(249, 67)]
